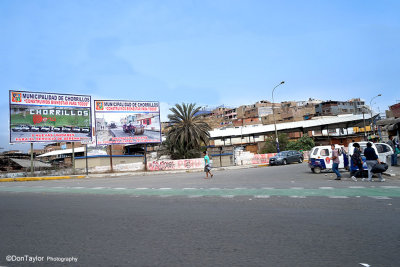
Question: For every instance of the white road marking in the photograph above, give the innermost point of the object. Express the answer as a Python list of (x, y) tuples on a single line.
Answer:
[(326, 187), (365, 264), (97, 187), (141, 188), (214, 188), (267, 188), (297, 188), (77, 187), (338, 197), (380, 197), (189, 188), (165, 188), (195, 196), (389, 187), (297, 196), (119, 188), (261, 196), (58, 187), (239, 188), (227, 196), (356, 186)]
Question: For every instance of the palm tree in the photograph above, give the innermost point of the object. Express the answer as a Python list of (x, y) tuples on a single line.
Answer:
[(187, 132)]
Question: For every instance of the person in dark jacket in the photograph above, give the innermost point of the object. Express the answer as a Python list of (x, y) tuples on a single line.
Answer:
[(371, 160), (357, 161), (393, 157)]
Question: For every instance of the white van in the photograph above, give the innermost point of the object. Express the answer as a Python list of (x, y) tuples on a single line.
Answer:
[(320, 158), (381, 149), (384, 151)]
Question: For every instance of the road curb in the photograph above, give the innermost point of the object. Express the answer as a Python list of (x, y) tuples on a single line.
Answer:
[(24, 179), (262, 165)]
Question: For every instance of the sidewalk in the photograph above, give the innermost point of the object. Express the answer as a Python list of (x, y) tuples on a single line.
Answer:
[(118, 174), (393, 171), (143, 173)]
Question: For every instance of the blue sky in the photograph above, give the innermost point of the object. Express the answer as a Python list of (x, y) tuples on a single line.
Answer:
[(207, 52)]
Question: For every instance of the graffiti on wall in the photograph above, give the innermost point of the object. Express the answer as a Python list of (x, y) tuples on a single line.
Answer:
[(262, 158), (182, 164)]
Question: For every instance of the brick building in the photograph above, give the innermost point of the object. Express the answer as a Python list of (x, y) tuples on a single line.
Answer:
[(333, 108)]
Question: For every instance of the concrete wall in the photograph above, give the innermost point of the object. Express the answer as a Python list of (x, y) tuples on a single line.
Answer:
[(182, 164), (248, 158), (222, 160), (102, 163), (93, 161)]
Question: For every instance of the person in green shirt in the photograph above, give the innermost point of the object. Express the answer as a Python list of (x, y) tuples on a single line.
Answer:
[(207, 166)]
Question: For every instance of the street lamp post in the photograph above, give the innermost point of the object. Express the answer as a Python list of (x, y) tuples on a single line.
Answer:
[(273, 114), (365, 132), (370, 108)]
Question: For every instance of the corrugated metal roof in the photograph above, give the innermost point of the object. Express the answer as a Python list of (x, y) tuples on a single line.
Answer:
[(388, 121), (257, 129), (26, 163), (62, 151)]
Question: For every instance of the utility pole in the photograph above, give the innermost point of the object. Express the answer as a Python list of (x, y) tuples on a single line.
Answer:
[(273, 114), (111, 162), (372, 119)]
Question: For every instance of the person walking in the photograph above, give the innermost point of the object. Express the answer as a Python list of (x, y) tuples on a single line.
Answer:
[(335, 159), (207, 166), (393, 157), (371, 159), (357, 162)]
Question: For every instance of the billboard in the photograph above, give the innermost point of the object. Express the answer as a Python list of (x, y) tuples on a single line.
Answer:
[(127, 122), (48, 117)]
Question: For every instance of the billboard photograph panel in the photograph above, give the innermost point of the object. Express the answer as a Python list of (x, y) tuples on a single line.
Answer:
[(48, 117), (127, 122)]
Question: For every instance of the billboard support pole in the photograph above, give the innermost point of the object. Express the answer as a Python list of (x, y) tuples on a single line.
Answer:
[(145, 157), (87, 168), (73, 158), (111, 163), (31, 159)]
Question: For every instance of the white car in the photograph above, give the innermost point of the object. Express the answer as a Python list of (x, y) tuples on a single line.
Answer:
[(45, 129), (381, 149), (35, 129), (384, 151), (17, 128)]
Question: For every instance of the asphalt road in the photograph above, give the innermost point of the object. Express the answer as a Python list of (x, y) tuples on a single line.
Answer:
[(278, 216)]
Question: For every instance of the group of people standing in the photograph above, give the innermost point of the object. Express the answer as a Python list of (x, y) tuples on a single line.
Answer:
[(371, 160), (370, 156)]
